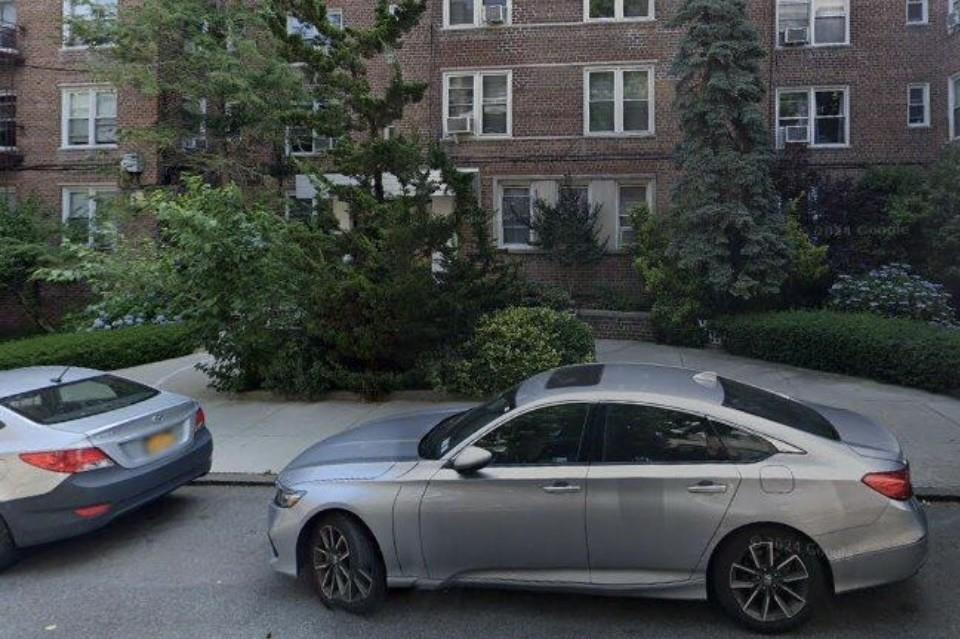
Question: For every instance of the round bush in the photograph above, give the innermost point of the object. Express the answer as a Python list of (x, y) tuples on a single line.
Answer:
[(893, 291), (511, 345)]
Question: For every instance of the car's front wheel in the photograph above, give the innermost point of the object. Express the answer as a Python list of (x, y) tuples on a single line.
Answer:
[(345, 565), (769, 579)]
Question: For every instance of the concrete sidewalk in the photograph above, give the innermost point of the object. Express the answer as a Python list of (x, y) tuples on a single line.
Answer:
[(257, 433)]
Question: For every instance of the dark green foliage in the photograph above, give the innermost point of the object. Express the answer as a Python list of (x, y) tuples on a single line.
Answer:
[(104, 350), (511, 345), (897, 351), (27, 242), (568, 231), (728, 232)]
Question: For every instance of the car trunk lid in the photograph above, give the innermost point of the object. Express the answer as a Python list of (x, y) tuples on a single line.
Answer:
[(862, 434)]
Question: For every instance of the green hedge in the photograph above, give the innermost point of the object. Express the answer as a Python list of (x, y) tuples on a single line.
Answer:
[(905, 352), (104, 350)]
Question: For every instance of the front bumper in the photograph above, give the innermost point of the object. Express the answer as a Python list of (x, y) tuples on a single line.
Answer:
[(50, 517), (283, 532)]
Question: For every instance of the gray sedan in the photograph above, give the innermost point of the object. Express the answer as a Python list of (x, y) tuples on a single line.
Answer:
[(614, 479), (79, 447)]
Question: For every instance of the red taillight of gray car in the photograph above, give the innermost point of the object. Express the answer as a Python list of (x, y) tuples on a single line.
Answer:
[(199, 420), (895, 484), (79, 460)]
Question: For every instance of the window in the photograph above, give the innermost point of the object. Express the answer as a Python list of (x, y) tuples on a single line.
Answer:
[(87, 11), (741, 446), (306, 209), (483, 99), (460, 14), (777, 408), (827, 123), (8, 24), (516, 208), (551, 435), (8, 121), (618, 101), (631, 196), (955, 107), (456, 429), (89, 117), (575, 194), (80, 209), (76, 400), (918, 105), (918, 11), (813, 22), (303, 141), (635, 434), (309, 32), (596, 10)]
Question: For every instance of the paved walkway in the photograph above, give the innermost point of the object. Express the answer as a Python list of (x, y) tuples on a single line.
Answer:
[(257, 433)]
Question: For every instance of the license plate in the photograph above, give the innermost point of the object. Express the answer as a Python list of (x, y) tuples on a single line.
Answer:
[(160, 442)]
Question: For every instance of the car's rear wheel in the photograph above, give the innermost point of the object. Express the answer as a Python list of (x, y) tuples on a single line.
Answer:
[(345, 565), (769, 579), (8, 550)]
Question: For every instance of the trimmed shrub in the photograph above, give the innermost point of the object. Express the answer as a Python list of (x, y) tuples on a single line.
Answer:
[(511, 345), (897, 351), (104, 350), (893, 291)]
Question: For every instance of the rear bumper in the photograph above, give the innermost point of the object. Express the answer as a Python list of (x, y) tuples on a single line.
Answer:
[(879, 568), (50, 517)]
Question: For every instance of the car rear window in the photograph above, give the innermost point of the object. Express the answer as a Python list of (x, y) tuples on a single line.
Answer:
[(777, 408), (76, 400)]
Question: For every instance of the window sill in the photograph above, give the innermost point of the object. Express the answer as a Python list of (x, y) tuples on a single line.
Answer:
[(828, 147), (805, 47), (90, 147), (920, 126), (625, 134), (79, 48), (618, 20), (476, 138), (519, 249)]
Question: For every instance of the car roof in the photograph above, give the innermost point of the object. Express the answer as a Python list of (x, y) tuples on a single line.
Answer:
[(596, 381), (22, 380)]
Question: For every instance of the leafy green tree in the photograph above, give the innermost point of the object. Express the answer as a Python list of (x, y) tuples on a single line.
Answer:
[(568, 231), (27, 243), (728, 230)]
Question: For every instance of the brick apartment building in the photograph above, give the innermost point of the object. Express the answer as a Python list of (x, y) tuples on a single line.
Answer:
[(531, 95)]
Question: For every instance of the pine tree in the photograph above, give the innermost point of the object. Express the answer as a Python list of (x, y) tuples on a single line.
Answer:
[(726, 229)]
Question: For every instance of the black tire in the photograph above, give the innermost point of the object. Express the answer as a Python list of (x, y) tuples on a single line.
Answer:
[(769, 579), (8, 549), (344, 565)]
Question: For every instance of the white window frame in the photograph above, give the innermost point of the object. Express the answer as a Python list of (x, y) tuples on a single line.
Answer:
[(954, 101), (618, 102), (926, 11), (92, 190), (953, 6), (293, 24), (926, 105), (811, 26), (477, 113), (647, 184), (513, 184), (812, 116), (618, 13), (91, 90), (65, 30), (5, 93), (478, 21), (316, 148)]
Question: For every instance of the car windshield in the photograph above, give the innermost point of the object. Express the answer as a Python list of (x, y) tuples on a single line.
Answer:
[(777, 408), (77, 400), (449, 433)]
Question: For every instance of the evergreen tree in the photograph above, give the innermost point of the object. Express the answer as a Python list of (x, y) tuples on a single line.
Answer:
[(726, 229)]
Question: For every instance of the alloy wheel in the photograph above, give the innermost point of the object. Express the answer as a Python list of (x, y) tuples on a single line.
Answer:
[(339, 574), (769, 582)]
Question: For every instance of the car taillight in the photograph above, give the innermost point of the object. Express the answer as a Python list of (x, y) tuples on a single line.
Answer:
[(199, 420), (895, 484), (79, 460)]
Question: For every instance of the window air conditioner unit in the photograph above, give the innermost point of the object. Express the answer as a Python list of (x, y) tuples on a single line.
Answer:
[(795, 135), (459, 125), (800, 35), (495, 14)]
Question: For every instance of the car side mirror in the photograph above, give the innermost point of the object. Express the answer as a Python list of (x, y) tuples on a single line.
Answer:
[(471, 459)]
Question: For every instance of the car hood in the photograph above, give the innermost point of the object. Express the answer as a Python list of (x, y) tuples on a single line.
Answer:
[(862, 434), (374, 444)]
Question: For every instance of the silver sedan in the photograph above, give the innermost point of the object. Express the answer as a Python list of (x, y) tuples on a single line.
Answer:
[(614, 479), (79, 447)]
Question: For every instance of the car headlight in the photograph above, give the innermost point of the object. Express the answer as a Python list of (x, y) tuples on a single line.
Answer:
[(287, 497)]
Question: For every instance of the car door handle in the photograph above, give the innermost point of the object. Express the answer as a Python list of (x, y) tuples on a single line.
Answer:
[(561, 487), (707, 488)]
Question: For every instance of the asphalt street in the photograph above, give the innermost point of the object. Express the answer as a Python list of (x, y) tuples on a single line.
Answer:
[(194, 566)]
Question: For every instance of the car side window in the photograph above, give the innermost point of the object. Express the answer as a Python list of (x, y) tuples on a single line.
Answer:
[(743, 447), (551, 435), (651, 435)]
